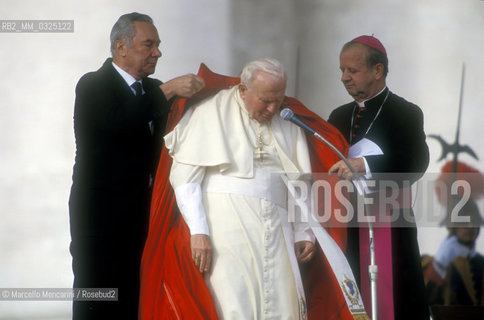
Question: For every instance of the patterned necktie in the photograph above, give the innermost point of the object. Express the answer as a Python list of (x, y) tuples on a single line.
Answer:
[(357, 130), (137, 87)]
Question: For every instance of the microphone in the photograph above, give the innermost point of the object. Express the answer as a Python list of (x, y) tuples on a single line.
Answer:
[(288, 115)]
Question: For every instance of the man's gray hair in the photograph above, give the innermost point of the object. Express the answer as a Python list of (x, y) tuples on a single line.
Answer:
[(269, 65), (124, 28)]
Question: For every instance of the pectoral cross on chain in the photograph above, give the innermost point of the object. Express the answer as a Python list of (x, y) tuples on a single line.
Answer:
[(259, 151)]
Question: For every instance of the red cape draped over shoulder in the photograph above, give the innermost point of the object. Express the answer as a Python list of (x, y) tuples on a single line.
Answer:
[(171, 286)]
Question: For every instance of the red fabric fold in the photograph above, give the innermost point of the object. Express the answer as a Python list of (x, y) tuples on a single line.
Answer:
[(171, 286)]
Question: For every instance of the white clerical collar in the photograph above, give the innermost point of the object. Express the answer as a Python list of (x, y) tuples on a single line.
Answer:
[(126, 76), (362, 103), (241, 103)]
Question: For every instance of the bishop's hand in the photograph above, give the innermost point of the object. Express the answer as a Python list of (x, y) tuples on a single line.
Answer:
[(341, 169)]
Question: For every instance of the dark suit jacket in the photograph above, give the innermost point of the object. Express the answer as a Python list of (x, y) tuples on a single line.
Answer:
[(116, 154), (398, 131)]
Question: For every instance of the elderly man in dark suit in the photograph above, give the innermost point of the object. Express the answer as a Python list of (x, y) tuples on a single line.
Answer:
[(119, 120), (396, 126)]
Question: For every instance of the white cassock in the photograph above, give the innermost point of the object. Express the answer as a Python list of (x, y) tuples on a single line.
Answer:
[(227, 189)]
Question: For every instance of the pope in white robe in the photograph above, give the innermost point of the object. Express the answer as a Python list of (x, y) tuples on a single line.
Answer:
[(229, 152)]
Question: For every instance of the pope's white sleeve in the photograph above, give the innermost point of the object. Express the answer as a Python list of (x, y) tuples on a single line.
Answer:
[(186, 181), (302, 229), (303, 232)]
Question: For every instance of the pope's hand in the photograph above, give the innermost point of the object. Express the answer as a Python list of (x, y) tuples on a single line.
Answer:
[(183, 86), (201, 252), (304, 251)]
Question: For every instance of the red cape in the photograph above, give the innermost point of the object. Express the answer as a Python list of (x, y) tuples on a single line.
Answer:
[(171, 286)]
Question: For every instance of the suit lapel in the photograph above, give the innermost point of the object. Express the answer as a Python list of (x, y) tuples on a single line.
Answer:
[(119, 85)]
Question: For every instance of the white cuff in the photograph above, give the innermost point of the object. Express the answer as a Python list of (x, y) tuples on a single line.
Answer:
[(189, 200), (304, 235), (367, 169)]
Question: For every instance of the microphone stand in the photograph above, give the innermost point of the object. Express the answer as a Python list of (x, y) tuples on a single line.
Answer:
[(372, 268), (288, 114)]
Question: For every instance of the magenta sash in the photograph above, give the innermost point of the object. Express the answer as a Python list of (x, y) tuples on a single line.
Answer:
[(383, 258)]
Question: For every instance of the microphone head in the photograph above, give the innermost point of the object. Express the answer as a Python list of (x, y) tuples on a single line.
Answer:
[(286, 114)]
